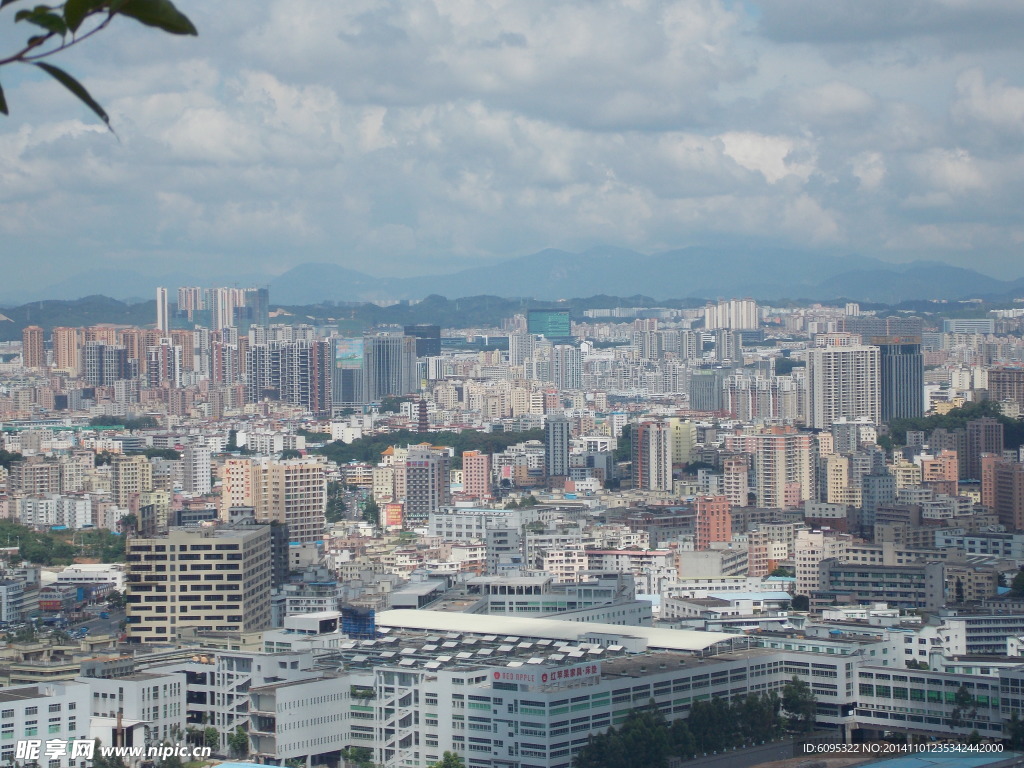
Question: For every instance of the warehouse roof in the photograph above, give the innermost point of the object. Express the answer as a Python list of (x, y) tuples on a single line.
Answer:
[(552, 629)]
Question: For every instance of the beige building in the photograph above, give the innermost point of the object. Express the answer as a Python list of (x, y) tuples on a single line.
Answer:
[(210, 578), (131, 475)]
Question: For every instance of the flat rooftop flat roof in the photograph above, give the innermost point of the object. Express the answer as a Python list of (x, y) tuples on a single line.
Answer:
[(552, 629)]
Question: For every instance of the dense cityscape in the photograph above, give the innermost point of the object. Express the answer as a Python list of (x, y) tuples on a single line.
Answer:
[(231, 530)]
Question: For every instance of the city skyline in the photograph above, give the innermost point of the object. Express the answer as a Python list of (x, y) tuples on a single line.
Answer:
[(405, 142)]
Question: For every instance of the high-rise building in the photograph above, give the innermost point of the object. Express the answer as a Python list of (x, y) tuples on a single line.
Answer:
[(1006, 383), (556, 446), (132, 475), (428, 339), (347, 377), (706, 387), (684, 440), (714, 520), (566, 366), (293, 491), (421, 483), (984, 435), (784, 467), (196, 468), (901, 377), (389, 366), (295, 372), (33, 355), (103, 364), (842, 381), (734, 314), (209, 578), (163, 311), (476, 474), (652, 456), (67, 345), (552, 324)]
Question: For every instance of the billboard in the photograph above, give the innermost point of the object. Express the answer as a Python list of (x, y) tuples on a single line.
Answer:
[(576, 673), (348, 353), (392, 515)]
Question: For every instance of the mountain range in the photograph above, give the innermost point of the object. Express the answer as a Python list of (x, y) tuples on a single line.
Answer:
[(706, 272)]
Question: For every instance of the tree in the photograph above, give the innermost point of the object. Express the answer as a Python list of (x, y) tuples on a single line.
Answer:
[(115, 599), (1017, 585), (963, 707), (65, 25), (238, 742), (958, 592), (211, 738), (335, 501), (371, 512), (291, 453), (232, 443), (801, 603), (782, 572), (799, 704), (360, 757), (1015, 731), (449, 760)]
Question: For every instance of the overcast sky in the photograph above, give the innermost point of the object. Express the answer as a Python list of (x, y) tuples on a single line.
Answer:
[(424, 136)]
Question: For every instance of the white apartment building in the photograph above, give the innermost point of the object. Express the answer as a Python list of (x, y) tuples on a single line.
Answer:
[(54, 711)]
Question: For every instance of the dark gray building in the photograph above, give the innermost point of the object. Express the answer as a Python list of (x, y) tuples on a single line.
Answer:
[(902, 377)]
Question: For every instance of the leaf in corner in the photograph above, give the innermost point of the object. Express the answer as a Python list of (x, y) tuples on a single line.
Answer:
[(160, 14), (75, 11), (76, 88), (3, 102)]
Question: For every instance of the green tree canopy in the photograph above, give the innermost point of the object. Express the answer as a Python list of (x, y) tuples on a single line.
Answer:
[(54, 28)]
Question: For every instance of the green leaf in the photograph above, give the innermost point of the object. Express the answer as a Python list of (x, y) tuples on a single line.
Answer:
[(76, 88), (75, 11), (43, 17), (3, 102), (158, 13)]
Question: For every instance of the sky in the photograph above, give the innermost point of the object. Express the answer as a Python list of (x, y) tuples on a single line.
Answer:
[(405, 138)]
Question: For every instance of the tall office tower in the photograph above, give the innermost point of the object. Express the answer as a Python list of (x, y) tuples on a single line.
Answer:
[(163, 364), (784, 467), (32, 353), (389, 366), (196, 468), (652, 456), (476, 474), (901, 377), (714, 520), (421, 483), (428, 339), (67, 345), (984, 435), (103, 364), (347, 377), (131, 475), (552, 324), (556, 446), (211, 578), (1004, 383), (728, 346), (706, 390), (293, 491), (163, 311), (191, 301), (566, 366), (521, 347), (842, 381), (736, 314)]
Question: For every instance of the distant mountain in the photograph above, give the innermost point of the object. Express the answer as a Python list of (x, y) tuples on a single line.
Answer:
[(699, 271)]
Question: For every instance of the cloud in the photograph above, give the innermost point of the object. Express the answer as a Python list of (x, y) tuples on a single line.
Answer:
[(403, 138)]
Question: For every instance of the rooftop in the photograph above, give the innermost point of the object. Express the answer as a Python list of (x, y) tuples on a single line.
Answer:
[(551, 629)]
